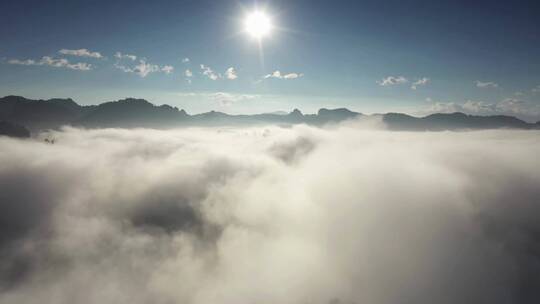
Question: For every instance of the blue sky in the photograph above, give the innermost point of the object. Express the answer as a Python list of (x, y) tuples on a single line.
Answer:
[(480, 57)]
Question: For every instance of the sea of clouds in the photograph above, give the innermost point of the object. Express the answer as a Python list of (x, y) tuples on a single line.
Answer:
[(302, 215)]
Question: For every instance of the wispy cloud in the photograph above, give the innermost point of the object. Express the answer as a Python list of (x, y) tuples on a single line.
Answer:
[(185, 60), (23, 62), (188, 73), (277, 74), (420, 82), (392, 80), (536, 89), (208, 72), (167, 69), (228, 99), (489, 84), (230, 74), (53, 62), (81, 53), (120, 55), (143, 68)]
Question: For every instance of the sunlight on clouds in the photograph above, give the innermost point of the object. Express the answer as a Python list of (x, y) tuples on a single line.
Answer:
[(270, 215)]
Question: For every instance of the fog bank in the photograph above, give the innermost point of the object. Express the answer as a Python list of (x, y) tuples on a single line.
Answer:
[(270, 215)]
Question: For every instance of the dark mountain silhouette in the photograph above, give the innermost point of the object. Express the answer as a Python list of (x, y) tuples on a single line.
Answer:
[(13, 130), (41, 114), (452, 121), (130, 113)]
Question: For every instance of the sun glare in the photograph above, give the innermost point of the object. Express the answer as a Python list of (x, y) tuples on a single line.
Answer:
[(258, 24)]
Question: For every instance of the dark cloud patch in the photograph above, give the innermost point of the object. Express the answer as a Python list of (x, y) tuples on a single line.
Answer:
[(29, 196), (292, 151), (167, 215)]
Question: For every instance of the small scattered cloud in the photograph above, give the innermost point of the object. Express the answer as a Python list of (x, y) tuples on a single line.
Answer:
[(143, 68), (208, 72), (53, 62), (230, 74), (23, 62), (120, 55), (185, 60), (81, 53), (489, 84), (188, 73), (420, 82), (167, 69), (392, 80), (536, 89), (277, 74)]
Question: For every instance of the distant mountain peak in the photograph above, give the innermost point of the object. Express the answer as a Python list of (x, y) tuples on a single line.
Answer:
[(296, 112), (135, 112)]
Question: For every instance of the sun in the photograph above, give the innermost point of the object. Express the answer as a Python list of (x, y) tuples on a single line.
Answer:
[(258, 24)]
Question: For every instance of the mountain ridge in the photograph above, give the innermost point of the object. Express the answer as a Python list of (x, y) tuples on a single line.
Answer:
[(53, 113)]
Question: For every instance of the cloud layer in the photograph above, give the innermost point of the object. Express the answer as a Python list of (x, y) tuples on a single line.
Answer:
[(270, 215)]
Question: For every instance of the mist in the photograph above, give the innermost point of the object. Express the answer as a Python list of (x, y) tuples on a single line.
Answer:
[(344, 214)]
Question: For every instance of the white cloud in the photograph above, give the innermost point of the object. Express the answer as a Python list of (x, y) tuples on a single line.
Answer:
[(53, 62), (392, 80), (188, 73), (220, 215), (185, 60), (230, 74), (23, 62), (123, 68), (292, 76), (488, 84), (536, 89), (208, 72), (81, 53), (119, 55), (278, 75), (143, 68), (167, 69), (420, 82)]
